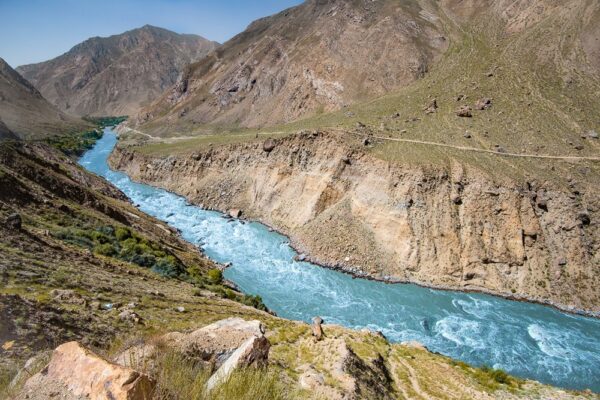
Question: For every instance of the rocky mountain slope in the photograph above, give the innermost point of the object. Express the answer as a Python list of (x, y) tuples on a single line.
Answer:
[(116, 75), (24, 113), (317, 57)]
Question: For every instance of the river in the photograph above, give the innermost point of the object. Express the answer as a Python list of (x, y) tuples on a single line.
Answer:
[(525, 339)]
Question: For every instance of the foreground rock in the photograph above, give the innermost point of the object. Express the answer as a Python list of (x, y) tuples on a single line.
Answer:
[(253, 352), (77, 373), (226, 345)]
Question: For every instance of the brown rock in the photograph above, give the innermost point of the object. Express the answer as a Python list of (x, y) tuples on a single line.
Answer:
[(269, 145), (432, 107), (215, 341), (464, 111), (483, 103), (317, 330), (75, 372), (235, 213), (254, 352)]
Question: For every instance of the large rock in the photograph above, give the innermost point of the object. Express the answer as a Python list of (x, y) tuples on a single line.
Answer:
[(269, 145), (235, 213), (216, 341), (213, 344), (253, 352), (77, 373), (317, 330)]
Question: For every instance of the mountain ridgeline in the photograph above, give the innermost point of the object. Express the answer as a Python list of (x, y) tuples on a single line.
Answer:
[(116, 75), (324, 55), (25, 114), (313, 58)]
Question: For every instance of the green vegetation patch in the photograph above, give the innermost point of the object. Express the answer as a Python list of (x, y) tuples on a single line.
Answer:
[(123, 244), (79, 143)]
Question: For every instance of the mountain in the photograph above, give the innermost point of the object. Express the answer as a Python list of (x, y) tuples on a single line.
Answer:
[(118, 74), (25, 114), (326, 54), (313, 58)]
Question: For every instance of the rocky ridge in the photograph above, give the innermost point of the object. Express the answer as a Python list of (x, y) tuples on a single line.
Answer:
[(116, 75)]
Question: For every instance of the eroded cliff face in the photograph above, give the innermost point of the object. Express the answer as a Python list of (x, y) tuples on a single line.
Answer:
[(451, 227)]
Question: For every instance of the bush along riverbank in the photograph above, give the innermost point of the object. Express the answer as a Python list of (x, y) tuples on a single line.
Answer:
[(74, 145)]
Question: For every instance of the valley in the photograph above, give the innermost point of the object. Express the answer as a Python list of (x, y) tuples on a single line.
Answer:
[(344, 199)]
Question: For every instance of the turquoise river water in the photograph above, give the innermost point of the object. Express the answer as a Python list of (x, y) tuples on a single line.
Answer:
[(525, 339)]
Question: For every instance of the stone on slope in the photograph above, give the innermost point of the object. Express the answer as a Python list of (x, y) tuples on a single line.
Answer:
[(213, 343), (483, 103), (464, 111), (253, 352), (317, 330), (75, 372)]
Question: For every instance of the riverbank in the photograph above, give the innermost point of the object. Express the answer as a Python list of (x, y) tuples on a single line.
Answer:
[(448, 228), (476, 328)]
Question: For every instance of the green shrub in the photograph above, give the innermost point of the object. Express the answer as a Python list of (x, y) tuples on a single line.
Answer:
[(254, 301), (500, 376), (105, 249), (122, 234), (215, 276)]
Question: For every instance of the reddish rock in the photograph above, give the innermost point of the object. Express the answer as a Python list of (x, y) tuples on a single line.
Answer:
[(75, 372)]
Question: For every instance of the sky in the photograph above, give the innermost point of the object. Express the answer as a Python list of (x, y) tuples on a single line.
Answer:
[(39, 30)]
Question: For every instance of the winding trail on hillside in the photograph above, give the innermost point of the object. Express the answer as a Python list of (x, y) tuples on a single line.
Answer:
[(411, 141), (479, 150)]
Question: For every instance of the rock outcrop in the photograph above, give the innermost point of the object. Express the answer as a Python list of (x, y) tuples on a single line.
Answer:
[(225, 345), (455, 227), (76, 373)]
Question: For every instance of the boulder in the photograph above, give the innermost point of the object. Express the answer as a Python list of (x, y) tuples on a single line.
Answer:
[(431, 107), (269, 145), (75, 372), (67, 296), (317, 330), (254, 352), (14, 221), (214, 345), (483, 103), (235, 213), (215, 342), (464, 112), (593, 135)]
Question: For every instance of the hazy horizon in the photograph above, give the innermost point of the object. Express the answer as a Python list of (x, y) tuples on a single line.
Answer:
[(38, 30)]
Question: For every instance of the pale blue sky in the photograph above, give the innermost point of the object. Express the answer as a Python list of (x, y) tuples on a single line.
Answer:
[(38, 30)]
